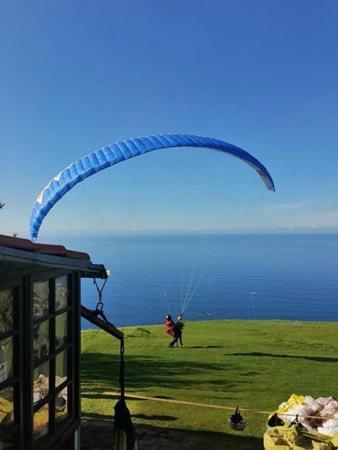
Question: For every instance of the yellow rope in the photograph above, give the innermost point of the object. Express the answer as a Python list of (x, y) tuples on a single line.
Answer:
[(205, 405)]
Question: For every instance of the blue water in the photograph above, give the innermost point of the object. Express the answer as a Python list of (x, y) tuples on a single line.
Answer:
[(247, 276)]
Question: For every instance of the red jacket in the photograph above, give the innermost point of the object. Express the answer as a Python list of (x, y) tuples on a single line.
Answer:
[(169, 327)]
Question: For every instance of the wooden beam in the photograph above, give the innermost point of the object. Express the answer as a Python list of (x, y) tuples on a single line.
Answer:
[(95, 320)]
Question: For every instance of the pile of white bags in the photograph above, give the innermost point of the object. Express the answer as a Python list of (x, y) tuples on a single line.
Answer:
[(324, 412)]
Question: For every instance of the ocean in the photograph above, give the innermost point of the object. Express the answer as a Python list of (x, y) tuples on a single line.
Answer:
[(214, 276)]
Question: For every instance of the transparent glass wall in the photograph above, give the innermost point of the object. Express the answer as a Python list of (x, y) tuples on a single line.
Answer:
[(40, 299), (51, 347), (8, 427), (6, 311)]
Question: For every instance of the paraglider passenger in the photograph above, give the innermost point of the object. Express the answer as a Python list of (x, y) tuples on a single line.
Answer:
[(169, 325), (170, 328)]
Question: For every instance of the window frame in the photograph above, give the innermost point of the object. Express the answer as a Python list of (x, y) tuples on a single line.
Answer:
[(70, 346)]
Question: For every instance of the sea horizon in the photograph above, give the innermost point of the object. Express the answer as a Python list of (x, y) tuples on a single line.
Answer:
[(249, 276)]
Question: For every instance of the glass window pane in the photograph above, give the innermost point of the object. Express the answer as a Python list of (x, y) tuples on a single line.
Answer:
[(6, 310), (40, 299), (61, 405), (41, 382), (61, 292), (61, 329), (60, 368), (6, 359), (8, 429), (40, 421), (41, 340)]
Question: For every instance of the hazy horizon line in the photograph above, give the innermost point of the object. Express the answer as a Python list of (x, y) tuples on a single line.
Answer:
[(267, 230)]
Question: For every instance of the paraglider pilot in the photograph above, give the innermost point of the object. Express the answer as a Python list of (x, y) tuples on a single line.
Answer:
[(179, 329), (174, 329)]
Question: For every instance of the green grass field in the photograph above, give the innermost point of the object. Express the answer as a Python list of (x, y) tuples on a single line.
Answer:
[(253, 364)]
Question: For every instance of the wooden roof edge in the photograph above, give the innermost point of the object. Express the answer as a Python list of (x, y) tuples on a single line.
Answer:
[(48, 249), (86, 268)]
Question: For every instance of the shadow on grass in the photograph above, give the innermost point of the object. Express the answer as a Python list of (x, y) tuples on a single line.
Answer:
[(153, 437), (99, 417), (99, 372), (107, 417), (96, 396), (205, 346), (154, 417), (276, 355)]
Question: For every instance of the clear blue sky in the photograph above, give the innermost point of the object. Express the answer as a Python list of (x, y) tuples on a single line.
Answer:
[(82, 74)]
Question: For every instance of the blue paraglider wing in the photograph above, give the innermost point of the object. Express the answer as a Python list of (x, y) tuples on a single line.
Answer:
[(121, 151)]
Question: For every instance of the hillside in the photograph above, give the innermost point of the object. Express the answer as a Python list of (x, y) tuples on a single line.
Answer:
[(253, 364)]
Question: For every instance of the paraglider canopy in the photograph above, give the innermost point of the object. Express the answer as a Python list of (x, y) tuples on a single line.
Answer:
[(122, 151)]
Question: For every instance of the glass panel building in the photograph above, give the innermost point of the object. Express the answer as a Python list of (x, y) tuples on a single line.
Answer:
[(40, 344)]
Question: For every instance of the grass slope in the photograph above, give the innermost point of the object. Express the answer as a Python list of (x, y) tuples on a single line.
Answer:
[(254, 364)]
